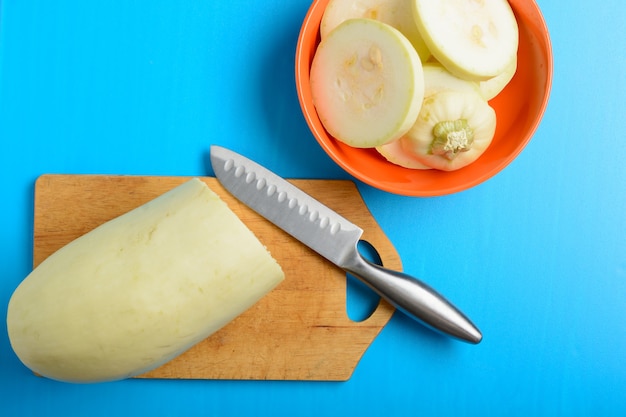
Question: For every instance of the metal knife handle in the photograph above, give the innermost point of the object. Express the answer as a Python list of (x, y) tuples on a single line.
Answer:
[(415, 299)]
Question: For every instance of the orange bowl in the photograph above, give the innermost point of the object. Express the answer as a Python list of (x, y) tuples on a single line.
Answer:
[(519, 109)]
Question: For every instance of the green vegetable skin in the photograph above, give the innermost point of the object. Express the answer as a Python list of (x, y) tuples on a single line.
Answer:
[(140, 289)]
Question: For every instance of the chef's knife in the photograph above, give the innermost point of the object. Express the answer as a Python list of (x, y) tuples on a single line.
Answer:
[(336, 239)]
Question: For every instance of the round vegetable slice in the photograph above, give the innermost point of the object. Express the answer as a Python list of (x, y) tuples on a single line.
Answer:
[(452, 130), (397, 13), (396, 154), (494, 86), (367, 83), (437, 78), (473, 39)]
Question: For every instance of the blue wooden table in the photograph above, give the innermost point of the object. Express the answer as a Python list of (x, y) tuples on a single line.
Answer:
[(536, 256)]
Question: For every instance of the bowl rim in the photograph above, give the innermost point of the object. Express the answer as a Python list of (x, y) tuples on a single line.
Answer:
[(304, 56)]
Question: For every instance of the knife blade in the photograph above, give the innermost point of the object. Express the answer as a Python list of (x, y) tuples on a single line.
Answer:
[(335, 238)]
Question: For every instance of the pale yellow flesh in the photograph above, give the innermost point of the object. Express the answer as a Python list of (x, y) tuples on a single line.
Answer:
[(367, 83), (396, 154), (437, 78), (139, 290), (473, 39), (492, 87), (449, 106), (397, 13)]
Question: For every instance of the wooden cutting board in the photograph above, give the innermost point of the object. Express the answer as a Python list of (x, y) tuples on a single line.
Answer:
[(299, 331)]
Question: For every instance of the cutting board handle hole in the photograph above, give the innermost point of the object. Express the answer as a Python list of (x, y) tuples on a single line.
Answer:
[(361, 301)]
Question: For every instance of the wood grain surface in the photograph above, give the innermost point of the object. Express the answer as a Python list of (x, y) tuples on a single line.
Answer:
[(299, 331)]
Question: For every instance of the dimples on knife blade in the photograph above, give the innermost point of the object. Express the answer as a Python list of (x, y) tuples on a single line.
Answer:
[(323, 230), (336, 239)]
